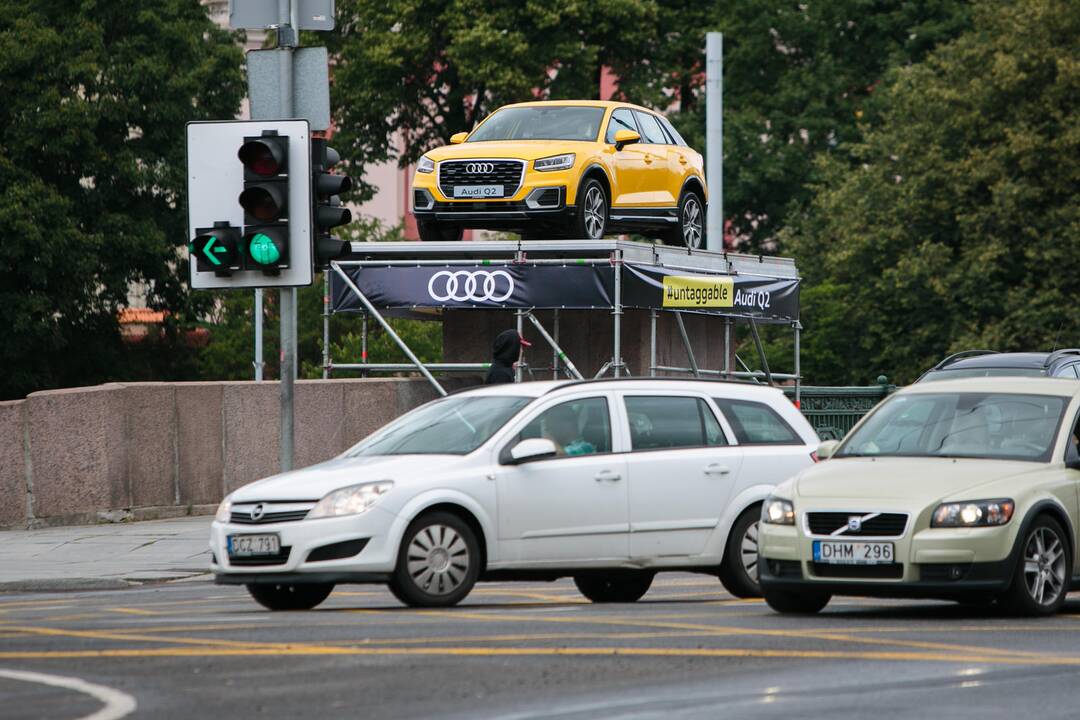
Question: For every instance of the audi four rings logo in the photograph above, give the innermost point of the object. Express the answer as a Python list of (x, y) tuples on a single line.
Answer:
[(475, 168), (477, 285)]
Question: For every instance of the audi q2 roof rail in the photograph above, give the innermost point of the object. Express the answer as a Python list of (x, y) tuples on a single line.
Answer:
[(961, 355)]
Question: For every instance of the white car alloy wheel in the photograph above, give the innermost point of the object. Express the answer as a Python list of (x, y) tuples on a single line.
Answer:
[(1044, 566), (438, 560), (692, 222), (595, 213), (748, 551)]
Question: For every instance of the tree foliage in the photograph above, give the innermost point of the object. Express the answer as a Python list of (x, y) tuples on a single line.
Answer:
[(92, 168), (430, 68), (957, 226)]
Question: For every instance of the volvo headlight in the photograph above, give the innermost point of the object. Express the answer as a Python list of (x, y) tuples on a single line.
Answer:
[(351, 500), (425, 165), (777, 511), (223, 511), (555, 162), (973, 513)]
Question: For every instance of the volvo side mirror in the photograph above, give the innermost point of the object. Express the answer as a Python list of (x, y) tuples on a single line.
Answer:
[(826, 449), (532, 449)]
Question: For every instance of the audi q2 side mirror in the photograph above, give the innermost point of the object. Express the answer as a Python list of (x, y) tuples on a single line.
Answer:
[(458, 138), (625, 137)]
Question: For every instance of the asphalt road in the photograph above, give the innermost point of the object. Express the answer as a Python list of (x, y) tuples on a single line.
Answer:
[(537, 650)]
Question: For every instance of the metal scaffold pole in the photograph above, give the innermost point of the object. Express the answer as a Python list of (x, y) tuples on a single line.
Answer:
[(714, 139)]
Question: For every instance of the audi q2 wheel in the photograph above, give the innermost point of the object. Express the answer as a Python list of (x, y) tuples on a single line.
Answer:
[(739, 570), (590, 222), (690, 229), (1043, 571), (431, 231), (438, 563)]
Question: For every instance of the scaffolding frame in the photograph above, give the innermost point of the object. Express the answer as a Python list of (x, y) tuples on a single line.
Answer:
[(515, 253)]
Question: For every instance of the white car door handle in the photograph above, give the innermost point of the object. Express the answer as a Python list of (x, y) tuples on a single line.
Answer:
[(716, 469), (607, 475)]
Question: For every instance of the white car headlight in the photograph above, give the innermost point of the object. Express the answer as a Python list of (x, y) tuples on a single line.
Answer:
[(351, 500), (555, 162), (425, 165), (223, 511), (974, 513), (777, 511)]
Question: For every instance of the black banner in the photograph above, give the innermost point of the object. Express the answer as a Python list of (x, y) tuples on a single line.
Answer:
[(476, 286), (764, 298), (569, 286)]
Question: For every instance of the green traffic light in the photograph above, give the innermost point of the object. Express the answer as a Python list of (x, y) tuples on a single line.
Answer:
[(263, 250)]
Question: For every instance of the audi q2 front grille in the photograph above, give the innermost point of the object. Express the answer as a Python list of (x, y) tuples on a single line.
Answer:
[(879, 525), (508, 173)]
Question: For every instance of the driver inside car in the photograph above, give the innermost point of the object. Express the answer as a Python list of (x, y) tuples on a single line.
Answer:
[(561, 427)]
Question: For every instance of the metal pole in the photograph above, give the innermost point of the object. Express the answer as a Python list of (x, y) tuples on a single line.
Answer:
[(389, 330), (686, 344), (286, 42), (326, 326), (652, 342), (616, 360), (761, 351), (520, 326), (363, 341), (559, 354), (727, 345), (714, 139), (798, 365), (554, 347), (259, 364)]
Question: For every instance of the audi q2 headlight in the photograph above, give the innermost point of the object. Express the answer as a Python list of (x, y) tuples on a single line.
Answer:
[(555, 162), (425, 165)]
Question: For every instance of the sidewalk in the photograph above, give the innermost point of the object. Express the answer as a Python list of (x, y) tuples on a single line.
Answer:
[(104, 557)]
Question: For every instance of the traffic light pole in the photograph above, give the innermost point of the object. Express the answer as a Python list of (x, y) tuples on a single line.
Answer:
[(286, 42)]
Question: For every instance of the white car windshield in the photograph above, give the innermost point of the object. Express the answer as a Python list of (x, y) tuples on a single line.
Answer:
[(555, 122), (1003, 426), (453, 426)]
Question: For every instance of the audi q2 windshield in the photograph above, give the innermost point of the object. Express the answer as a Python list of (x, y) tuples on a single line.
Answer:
[(1001, 426), (454, 426), (556, 122)]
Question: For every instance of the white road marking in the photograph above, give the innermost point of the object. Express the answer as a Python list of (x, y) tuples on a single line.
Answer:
[(117, 704)]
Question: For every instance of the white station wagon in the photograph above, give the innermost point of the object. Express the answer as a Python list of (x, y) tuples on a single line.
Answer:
[(606, 481)]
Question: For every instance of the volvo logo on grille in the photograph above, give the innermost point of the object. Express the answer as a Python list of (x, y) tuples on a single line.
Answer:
[(854, 523), (257, 512), (478, 286), (478, 168)]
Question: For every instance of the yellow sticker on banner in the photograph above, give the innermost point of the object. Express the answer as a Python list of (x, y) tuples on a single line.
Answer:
[(680, 291)]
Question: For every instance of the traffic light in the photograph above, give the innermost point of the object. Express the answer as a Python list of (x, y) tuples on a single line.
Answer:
[(327, 212), (265, 200), (250, 203), (216, 249)]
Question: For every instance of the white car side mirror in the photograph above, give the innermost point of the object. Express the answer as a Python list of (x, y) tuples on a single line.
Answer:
[(826, 449), (532, 449)]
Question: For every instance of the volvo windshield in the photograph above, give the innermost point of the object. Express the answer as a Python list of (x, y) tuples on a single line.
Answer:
[(551, 122), (454, 426), (1003, 426)]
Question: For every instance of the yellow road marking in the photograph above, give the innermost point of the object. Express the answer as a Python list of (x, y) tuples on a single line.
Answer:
[(134, 611), (525, 652)]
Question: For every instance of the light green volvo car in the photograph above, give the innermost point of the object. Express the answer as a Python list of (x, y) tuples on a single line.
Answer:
[(961, 489)]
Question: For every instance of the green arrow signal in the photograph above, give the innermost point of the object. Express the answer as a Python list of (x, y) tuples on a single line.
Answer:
[(206, 250)]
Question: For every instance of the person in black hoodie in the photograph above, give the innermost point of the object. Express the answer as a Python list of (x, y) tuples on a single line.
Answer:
[(506, 352)]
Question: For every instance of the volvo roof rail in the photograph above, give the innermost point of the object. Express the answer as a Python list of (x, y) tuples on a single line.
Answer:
[(961, 355), (1056, 354)]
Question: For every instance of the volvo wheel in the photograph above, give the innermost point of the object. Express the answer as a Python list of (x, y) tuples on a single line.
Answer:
[(614, 587), (796, 603), (290, 596), (590, 222), (1041, 580), (739, 570), (438, 563)]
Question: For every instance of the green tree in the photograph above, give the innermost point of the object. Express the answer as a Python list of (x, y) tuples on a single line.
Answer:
[(957, 225), (430, 68), (92, 173), (798, 77)]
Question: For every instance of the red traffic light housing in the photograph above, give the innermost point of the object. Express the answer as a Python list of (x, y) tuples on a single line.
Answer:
[(265, 200)]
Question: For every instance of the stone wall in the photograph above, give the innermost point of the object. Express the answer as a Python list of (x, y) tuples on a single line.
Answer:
[(142, 450)]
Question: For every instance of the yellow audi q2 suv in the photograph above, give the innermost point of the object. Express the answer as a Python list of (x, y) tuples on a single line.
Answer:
[(564, 169)]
